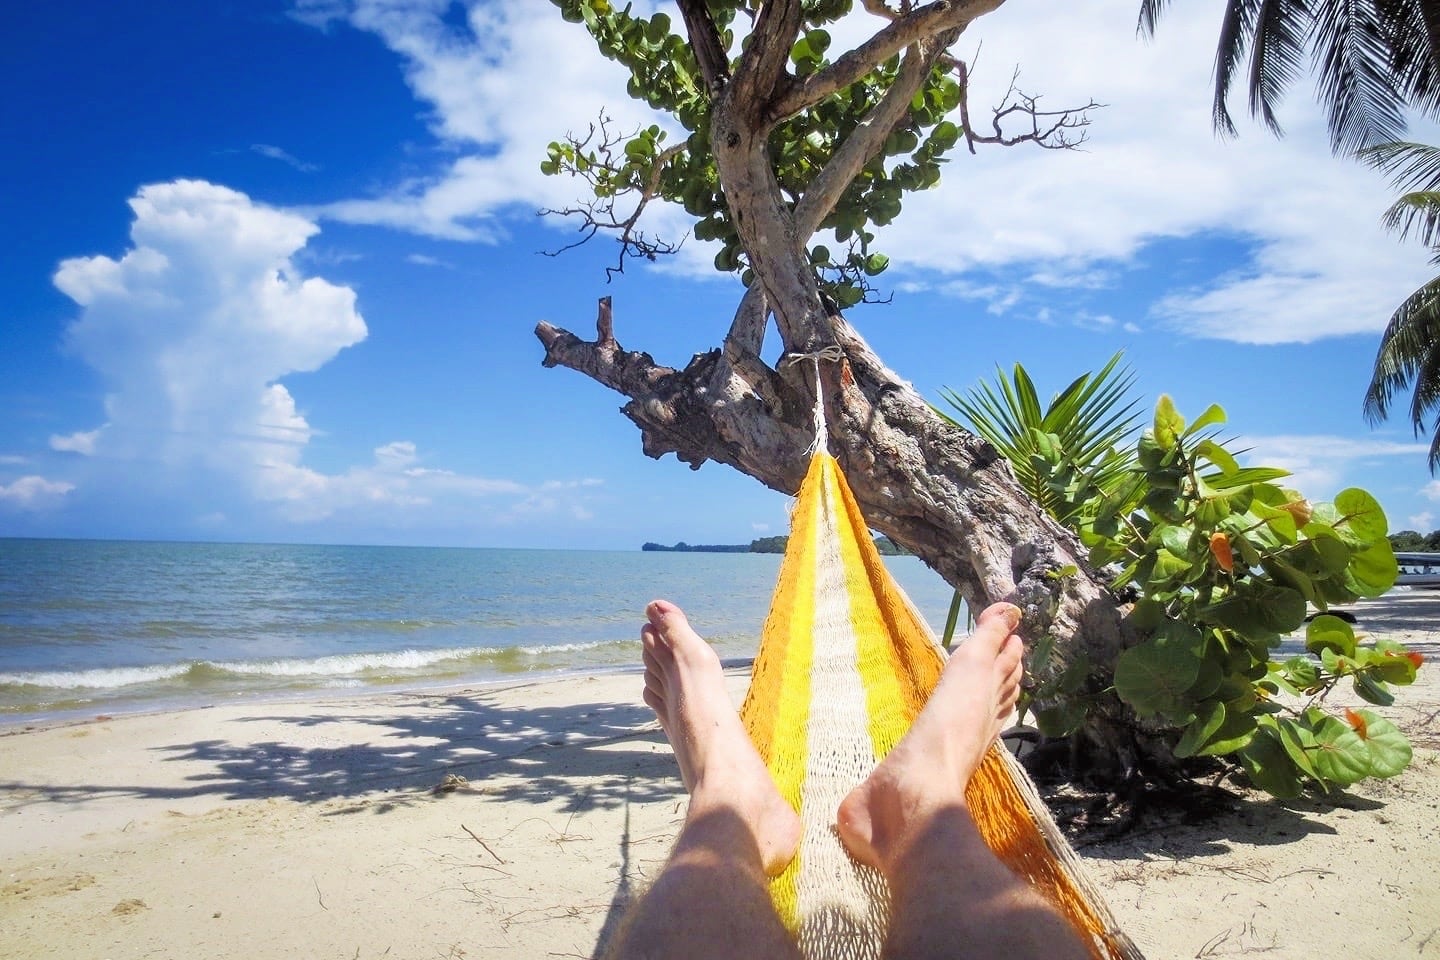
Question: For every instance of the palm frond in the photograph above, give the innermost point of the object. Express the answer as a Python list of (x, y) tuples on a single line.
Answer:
[(1086, 424), (1150, 11), (1412, 30), (1354, 80), (1277, 52), (1236, 29), (1410, 342)]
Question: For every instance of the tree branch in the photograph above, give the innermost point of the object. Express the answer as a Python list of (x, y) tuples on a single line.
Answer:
[(906, 30), (1052, 134), (867, 138), (762, 65), (600, 213), (705, 41)]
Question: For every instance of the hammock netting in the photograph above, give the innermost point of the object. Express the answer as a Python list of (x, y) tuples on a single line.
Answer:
[(845, 664)]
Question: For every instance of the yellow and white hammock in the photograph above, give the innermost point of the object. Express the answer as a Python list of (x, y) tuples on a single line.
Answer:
[(845, 665)]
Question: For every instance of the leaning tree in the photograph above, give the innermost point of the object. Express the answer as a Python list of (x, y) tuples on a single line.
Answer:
[(788, 141)]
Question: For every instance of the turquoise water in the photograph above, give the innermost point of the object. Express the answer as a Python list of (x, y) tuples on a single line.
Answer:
[(104, 626)]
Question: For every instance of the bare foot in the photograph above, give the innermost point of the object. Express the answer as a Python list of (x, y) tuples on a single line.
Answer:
[(685, 686), (930, 767)]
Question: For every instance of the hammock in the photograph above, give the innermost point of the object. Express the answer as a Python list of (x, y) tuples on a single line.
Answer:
[(845, 665)]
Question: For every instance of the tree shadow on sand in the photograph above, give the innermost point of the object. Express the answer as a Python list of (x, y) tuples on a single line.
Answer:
[(511, 752)]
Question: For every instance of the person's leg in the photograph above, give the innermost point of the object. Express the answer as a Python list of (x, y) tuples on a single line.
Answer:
[(950, 896), (711, 898)]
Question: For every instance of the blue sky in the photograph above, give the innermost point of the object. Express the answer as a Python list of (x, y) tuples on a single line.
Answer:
[(271, 272)]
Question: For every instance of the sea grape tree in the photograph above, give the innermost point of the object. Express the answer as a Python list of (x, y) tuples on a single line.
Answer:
[(791, 152)]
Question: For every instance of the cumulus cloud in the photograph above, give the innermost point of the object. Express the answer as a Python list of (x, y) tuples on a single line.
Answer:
[(1316, 262), (193, 329), (34, 492), (1422, 522)]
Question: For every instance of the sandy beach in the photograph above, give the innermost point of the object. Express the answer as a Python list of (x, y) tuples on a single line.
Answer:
[(516, 820)]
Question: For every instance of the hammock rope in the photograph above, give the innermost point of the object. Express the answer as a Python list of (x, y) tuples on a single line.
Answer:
[(845, 665)]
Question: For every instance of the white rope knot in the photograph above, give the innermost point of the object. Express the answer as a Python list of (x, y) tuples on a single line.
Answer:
[(834, 354)]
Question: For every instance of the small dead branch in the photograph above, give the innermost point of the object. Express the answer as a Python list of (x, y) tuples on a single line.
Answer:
[(1048, 129), (603, 154), (482, 843)]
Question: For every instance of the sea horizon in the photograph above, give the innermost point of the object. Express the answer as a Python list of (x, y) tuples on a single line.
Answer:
[(107, 626)]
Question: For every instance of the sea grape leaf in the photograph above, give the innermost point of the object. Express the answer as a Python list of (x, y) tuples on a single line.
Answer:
[(1362, 514), (1327, 631), (1208, 718), (1373, 570), (1341, 756), (1269, 766), (1389, 750), (1372, 690), (1152, 677), (1235, 731)]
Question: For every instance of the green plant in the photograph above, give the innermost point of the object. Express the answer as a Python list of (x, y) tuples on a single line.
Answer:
[(1226, 563), (1067, 454), (1063, 456)]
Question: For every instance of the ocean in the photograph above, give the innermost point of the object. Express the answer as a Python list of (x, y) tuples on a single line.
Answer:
[(101, 627)]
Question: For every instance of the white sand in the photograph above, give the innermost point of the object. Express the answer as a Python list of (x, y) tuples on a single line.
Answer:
[(312, 830)]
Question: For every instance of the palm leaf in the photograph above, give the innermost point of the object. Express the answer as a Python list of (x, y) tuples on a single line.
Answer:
[(1236, 28), (1408, 355), (1087, 422), (1412, 28), (1277, 51), (1415, 169), (1354, 80)]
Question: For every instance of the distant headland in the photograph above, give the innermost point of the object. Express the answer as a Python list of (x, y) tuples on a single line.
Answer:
[(883, 544)]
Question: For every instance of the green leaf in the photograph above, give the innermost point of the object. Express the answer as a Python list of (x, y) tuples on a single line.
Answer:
[(1390, 667), (1237, 730), (1361, 513), (1372, 690), (1152, 677), (1389, 750), (1301, 672), (1062, 719), (1341, 756), (1217, 455), (1213, 414), (1372, 571), (1208, 718), (1298, 741), (1326, 631), (1269, 766)]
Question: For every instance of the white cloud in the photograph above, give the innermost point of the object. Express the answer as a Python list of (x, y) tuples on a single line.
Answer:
[(193, 327), (1319, 263), (276, 153), (1431, 490), (13, 459), (500, 90), (1422, 522), (1319, 464), (34, 492), (81, 441)]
